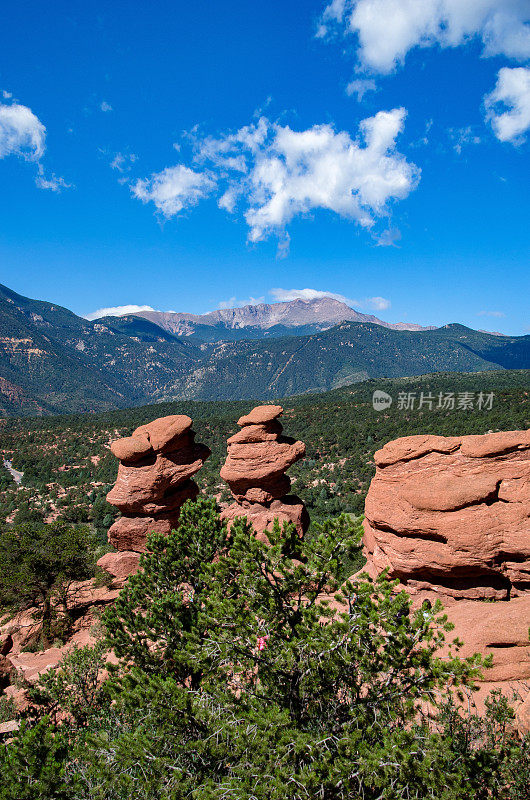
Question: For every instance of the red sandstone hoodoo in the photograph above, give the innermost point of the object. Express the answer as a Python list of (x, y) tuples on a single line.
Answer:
[(154, 480), (258, 457)]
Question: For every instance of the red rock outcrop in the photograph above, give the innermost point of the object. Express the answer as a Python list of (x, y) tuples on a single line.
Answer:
[(258, 457), (154, 480), (450, 518), (20, 666), (453, 514)]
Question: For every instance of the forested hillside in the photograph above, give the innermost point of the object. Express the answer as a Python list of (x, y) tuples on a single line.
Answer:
[(52, 361), (68, 467)]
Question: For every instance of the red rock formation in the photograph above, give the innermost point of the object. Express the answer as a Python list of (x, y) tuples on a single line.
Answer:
[(154, 480), (258, 456), (85, 602), (453, 514), (450, 518)]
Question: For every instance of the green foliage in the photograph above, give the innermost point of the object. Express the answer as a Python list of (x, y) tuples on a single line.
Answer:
[(76, 686), (66, 461), (250, 671), (33, 767), (38, 562), (160, 617), (328, 704), (8, 709)]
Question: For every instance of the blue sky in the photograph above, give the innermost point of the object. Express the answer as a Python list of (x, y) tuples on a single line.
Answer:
[(189, 156)]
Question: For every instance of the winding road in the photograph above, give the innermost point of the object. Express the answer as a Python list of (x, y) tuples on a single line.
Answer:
[(17, 476)]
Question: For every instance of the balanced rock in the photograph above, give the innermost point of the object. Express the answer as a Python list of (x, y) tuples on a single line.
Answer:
[(154, 480), (258, 457)]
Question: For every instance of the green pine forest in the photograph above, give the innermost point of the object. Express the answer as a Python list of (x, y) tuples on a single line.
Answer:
[(241, 670), (68, 467)]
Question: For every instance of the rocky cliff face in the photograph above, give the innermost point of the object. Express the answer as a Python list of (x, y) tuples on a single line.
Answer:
[(258, 457), (450, 518)]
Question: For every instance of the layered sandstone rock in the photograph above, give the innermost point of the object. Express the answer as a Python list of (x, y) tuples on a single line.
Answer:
[(453, 514), (258, 457), (450, 519), (154, 480)]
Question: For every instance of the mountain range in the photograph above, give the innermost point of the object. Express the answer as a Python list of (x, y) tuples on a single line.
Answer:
[(52, 361), (262, 320)]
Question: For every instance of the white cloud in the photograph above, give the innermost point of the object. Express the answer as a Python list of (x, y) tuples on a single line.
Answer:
[(117, 311), (227, 303), (299, 171), (463, 137), (53, 183), (105, 106), (379, 303), (491, 314), (286, 295), (360, 87), (388, 238), (174, 189), (386, 30), (508, 105), (21, 132), (6, 95), (123, 162), (292, 173), (274, 173), (233, 302)]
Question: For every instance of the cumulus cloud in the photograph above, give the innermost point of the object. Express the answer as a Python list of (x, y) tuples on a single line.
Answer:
[(299, 171), (105, 106), (273, 173), (174, 189), (379, 303), (117, 311), (508, 105), (386, 30), (21, 132)]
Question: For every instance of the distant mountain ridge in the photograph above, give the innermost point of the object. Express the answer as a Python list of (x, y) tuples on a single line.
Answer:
[(52, 361), (265, 319)]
